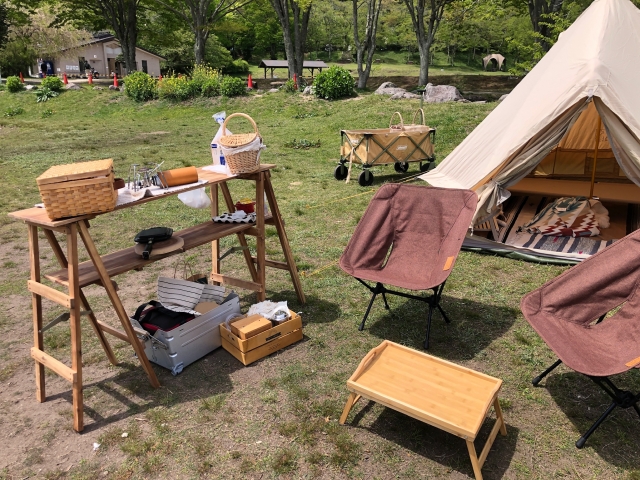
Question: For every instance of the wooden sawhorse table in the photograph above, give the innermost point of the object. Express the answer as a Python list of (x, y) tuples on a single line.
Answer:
[(99, 269)]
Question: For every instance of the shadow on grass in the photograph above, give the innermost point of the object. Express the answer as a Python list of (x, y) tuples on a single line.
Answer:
[(473, 325), (439, 446), (617, 439), (129, 393), (315, 310)]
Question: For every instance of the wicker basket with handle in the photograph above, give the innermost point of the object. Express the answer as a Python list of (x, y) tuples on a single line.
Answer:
[(242, 150), (78, 189)]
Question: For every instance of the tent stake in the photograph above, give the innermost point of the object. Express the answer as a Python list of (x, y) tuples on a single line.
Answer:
[(595, 157)]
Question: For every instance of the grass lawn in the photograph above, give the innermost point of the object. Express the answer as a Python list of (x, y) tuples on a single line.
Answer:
[(278, 417)]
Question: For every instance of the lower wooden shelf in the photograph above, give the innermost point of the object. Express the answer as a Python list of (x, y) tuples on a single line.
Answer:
[(125, 260)]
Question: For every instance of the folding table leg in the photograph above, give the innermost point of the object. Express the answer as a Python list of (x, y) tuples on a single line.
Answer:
[(36, 306), (353, 398), (474, 459)]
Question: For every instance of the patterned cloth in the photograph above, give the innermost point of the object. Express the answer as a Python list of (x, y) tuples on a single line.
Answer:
[(569, 217), (236, 217)]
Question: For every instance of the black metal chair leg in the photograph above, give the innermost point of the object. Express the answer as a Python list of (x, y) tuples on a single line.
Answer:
[(429, 316), (539, 378), (582, 440), (444, 315), (384, 297), (373, 297)]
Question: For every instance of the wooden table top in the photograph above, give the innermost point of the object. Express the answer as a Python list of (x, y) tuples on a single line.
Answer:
[(448, 396), (38, 216)]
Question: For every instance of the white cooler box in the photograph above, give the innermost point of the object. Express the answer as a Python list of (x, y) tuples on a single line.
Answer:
[(187, 343)]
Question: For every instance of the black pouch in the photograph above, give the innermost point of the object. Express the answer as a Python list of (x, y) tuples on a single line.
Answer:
[(156, 317)]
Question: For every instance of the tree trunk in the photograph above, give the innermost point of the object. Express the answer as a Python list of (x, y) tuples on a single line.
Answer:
[(122, 16), (537, 10), (293, 45), (367, 47), (200, 44), (425, 33)]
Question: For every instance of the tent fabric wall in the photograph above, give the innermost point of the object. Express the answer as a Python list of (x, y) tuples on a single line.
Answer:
[(596, 59)]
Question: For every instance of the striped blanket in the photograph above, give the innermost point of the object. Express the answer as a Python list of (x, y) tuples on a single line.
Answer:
[(576, 246)]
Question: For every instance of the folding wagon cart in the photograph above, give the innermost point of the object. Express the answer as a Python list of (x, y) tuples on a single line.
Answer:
[(399, 145)]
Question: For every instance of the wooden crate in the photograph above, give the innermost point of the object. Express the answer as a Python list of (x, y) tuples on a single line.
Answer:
[(263, 344), (78, 189)]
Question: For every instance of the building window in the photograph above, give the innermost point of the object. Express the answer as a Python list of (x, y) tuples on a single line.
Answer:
[(144, 66)]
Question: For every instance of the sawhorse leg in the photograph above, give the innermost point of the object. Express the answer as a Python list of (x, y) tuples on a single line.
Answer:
[(62, 260), (282, 235), (36, 305), (117, 304)]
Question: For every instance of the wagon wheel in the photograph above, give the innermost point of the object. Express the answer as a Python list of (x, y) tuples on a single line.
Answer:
[(401, 167), (426, 166), (365, 179), (341, 171)]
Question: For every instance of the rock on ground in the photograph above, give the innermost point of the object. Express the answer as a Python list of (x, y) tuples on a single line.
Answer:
[(308, 90), (273, 90), (441, 94), (389, 88), (30, 87), (405, 94), (98, 88), (113, 87), (73, 86), (503, 97)]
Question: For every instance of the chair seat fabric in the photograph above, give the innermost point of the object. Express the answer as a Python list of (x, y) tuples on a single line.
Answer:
[(565, 309), (410, 236)]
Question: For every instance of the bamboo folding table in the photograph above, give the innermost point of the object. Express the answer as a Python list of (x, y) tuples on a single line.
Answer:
[(440, 393), (99, 270)]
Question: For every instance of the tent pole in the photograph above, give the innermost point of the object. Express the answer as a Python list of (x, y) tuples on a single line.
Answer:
[(595, 158)]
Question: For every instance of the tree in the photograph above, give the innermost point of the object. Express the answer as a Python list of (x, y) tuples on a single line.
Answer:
[(4, 24), (366, 46), (121, 16), (299, 11), (201, 16), (421, 11), (541, 13)]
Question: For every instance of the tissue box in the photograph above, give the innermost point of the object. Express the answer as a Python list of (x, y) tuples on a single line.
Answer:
[(254, 348)]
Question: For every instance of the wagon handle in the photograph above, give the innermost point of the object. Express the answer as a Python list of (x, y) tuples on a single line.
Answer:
[(396, 127), (224, 124), (421, 112)]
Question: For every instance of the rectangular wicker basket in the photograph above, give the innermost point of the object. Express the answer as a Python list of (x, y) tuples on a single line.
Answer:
[(78, 189)]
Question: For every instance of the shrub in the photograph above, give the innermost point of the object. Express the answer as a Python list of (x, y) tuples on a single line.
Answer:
[(238, 66), (232, 87), (14, 84), (44, 94), (140, 87), (335, 82), (177, 88), (206, 80), (211, 88), (53, 83), (289, 86)]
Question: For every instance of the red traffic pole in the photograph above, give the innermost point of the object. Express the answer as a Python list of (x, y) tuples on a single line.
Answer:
[(295, 81), (64, 79), (115, 79), (160, 78), (249, 82), (90, 78), (21, 77)]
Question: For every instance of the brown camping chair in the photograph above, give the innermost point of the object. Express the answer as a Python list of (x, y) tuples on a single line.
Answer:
[(409, 237), (569, 314)]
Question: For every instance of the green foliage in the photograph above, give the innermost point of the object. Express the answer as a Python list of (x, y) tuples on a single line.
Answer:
[(140, 87), (232, 87), (177, 88), (52, 83), (44, 94), (13, 111), (14, 84), (289, 86), (302, 144), (206, 80), (238, 66), (47, 113), (336, 82)]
